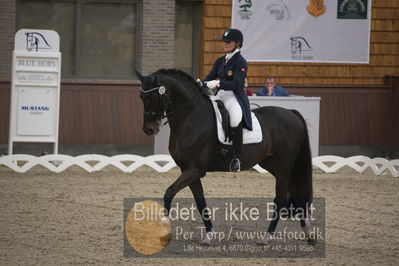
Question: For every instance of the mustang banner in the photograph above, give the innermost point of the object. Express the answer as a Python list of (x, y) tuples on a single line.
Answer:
[(328, 31)]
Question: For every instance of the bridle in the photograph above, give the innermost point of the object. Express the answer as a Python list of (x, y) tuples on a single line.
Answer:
[(163, 104), (161, 113)]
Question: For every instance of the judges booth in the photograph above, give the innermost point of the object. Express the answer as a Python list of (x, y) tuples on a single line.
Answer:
[(309, 107)]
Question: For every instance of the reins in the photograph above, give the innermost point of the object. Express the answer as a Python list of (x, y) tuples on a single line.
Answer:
[(162, 91), (169, 115)]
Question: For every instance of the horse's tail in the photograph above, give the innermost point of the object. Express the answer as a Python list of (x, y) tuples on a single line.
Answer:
[(300, 187)]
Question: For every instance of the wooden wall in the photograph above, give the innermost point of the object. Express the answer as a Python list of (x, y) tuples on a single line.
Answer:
[(384, 51), (105, 114), (112, 114), (4, 111), (359, 105), (351, 115), (393, 82), (91, 114)]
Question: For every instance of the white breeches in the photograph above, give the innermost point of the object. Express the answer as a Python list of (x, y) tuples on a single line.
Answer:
[(232, 106)]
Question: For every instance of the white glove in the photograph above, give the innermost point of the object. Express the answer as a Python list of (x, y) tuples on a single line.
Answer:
[(199, 82), (213, 84)]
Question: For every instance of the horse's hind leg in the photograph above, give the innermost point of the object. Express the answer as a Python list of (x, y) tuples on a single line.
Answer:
[(280, 201), (281, 169), (301, 205), (301, 192), (307, 229)]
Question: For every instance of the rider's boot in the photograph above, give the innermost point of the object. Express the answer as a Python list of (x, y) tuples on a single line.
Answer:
[(235, 165)]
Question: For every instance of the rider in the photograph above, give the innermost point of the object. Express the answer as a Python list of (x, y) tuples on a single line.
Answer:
[(227, 77)]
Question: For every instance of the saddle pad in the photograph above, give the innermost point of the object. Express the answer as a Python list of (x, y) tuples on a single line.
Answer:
[(248, 136)]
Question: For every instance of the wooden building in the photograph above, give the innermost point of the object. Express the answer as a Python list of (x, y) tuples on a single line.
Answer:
[(384, 51), (359, 102)]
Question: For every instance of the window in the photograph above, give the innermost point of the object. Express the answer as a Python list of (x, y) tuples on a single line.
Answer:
[(187, 30), (98, 38)]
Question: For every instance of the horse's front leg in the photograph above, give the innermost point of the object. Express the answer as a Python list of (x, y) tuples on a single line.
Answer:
[(198, 193), (185, 179)]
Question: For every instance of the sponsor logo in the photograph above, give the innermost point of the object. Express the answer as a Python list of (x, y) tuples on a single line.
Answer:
[(36, 41), (352, 9), (244, 5), (35, 108), (316, 7), (299, 47), (279, 11)]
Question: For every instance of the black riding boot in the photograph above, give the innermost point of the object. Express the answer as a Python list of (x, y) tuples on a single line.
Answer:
[(237, 143)]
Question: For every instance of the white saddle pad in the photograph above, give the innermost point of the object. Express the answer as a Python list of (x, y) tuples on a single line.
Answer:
[(248, 136)]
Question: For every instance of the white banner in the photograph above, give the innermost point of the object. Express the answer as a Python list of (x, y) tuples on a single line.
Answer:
[(330, 31)]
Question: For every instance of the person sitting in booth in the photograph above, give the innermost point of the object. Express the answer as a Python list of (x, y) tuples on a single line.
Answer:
[(248, 92), (271, 89)]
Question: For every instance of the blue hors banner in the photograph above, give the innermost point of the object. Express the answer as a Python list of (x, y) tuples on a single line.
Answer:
[(330, 31)]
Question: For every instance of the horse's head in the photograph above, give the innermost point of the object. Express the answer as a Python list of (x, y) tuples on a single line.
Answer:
[(155, 101), (29, 41)]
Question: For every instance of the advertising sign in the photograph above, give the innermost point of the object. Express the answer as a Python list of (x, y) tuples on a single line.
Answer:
[(35, 87), (333, 31)]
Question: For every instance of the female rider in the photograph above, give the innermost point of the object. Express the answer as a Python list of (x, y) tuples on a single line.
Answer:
[(227, 78)]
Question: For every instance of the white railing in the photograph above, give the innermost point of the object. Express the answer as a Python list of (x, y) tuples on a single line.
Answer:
[(128, 163)]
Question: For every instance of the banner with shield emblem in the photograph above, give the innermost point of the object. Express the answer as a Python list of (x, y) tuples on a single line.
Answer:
[(328, 31)]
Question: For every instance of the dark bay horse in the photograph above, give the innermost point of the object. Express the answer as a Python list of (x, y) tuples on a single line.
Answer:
[(193, 144)]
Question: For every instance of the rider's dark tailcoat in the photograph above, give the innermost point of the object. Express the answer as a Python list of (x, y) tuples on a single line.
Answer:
[(232, 78)]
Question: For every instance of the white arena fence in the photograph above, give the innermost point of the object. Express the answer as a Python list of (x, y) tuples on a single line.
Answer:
[(128, 163)]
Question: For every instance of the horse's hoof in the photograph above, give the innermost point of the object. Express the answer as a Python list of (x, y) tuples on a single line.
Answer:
[(208, 238), (205, 242), (265, 240), (165, 234), (165, 221), (311, 241), (165, 239)]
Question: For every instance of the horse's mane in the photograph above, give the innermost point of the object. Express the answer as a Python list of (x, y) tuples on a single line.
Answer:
[(180, 73)]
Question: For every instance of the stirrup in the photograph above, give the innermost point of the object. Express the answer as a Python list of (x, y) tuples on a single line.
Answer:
[(235, 165)]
